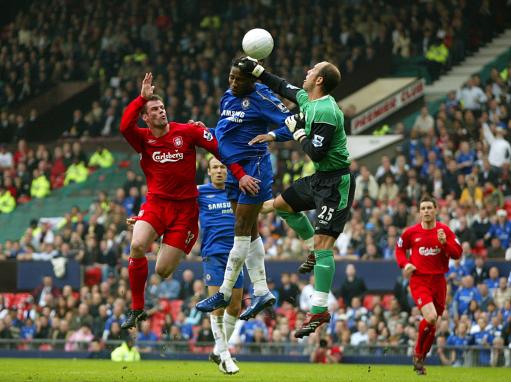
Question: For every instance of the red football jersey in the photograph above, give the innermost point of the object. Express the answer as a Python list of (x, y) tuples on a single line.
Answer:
[(427, 253), (168, 162)]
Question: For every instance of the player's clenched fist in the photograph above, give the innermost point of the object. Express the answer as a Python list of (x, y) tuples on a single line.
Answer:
[(251, 66), (442, 237), (408, 270)]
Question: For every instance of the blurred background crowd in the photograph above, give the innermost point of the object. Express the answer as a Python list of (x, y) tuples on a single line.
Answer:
[(460, 154)]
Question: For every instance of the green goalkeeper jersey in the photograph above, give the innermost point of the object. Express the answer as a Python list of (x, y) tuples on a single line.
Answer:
[(324, 122)]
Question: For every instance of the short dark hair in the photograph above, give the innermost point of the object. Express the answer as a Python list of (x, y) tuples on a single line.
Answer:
[(428, 198), (331, 77), (154, 97)]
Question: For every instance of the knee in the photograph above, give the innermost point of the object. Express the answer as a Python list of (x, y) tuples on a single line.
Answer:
[(137, 249), (280, 205), (431, 318), (163, 271)]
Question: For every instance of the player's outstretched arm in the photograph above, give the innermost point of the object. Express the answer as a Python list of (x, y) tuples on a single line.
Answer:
[(128, 126), (267, 207), (275, 83)]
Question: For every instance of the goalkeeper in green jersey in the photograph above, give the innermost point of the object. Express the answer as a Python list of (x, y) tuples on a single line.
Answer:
[(319, 128)]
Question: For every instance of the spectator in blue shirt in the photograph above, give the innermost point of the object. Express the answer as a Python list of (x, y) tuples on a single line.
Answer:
[(455, 275), (460, 338), (493, 279), (249, 327), (465, 295), (146, 334), (483, 338), (500, 229), (465, 158)]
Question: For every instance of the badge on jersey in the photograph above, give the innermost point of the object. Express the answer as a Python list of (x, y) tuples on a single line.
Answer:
[(207, 136), (283, 108), (245, 104), (178, 141), (317, 141)]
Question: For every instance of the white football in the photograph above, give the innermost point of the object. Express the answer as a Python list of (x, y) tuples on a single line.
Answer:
[(257, 43)]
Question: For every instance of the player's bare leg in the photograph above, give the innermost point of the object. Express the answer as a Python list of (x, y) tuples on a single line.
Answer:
[(221, 355), (168, 260), (299, 222), (323, 278), (425, 338), (143, 235)]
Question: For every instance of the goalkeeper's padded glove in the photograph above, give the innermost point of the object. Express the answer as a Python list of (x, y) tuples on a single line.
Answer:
[(250, 65), (299, 134), (295, 122)]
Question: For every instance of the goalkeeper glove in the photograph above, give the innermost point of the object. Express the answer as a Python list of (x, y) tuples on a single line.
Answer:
[(296, 124), (250, 65)]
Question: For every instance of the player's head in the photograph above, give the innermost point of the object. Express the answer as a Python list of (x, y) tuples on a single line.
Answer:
[(427, 209), (323, 75), (240, 83), (154, 113), (217, 171)]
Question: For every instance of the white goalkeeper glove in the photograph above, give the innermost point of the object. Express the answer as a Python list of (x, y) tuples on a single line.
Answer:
[(296, 124)]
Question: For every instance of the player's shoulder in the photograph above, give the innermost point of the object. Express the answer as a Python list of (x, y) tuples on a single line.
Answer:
[(411, 229), (443, 226)]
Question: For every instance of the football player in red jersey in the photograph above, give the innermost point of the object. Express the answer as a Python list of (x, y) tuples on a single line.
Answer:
[(167, 157), (431, 244)]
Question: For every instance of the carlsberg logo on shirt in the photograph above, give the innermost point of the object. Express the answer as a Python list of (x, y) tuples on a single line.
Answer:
[(160, 157), (427, 251)]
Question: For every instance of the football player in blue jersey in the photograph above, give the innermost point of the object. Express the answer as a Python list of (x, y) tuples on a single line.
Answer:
[(246, 111), (216, 216)]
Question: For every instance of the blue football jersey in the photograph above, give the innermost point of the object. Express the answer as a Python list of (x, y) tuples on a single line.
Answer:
[(243, 118), (216, 220)]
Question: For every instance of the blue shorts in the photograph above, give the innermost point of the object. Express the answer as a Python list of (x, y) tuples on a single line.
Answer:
[(259, 167), (214, 269)]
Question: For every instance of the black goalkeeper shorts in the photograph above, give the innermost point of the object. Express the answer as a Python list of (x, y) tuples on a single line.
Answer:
[(329, 193)]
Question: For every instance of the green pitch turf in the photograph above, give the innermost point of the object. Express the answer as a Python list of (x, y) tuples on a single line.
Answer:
[(35, 370)]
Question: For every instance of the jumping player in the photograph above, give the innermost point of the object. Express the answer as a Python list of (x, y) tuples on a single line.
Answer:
[(167, 158), (319, 129), (431, 244), (246, 110)]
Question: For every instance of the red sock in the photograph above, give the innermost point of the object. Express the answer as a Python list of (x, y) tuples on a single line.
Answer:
[(424, 331), (137, 269), (428, 341)]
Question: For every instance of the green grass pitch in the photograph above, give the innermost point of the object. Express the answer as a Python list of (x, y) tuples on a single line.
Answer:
[(35, 370)]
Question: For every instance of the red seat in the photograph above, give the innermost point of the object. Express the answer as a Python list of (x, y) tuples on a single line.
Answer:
[(175, 308), (387, 300), (93, 276), (368, 301), (165, 305)]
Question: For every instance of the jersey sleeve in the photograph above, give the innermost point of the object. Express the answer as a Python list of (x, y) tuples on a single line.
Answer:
[(403, 244), (129, 128), (274, 111), (317, 144), (204, 138), (279, 86), (302, 98), (452, 247)]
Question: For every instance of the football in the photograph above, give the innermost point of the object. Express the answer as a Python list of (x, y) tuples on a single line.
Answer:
[(257, 43)]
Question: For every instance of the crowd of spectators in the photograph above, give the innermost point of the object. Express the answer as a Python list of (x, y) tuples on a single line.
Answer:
[(189, 45), (461, 155), (27, 172)]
